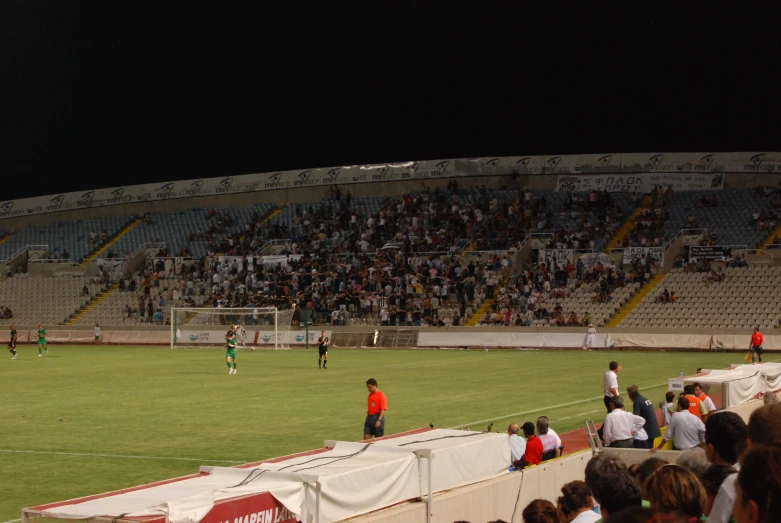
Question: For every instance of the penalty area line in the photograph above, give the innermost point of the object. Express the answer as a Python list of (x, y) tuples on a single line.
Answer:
[(542, 409), (121, 456), (13, 521)]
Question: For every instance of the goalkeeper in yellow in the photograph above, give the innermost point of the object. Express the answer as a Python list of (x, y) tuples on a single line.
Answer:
[(42, 340), (230, 349)]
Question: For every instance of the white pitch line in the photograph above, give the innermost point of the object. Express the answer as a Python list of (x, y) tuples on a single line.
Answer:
[(478, 422), (53, 453), (13, 521)]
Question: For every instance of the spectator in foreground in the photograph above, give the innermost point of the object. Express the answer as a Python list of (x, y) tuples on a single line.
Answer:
[(576, 505), (632, 515), (675, 494), (540, 511), (712, 480), (686, 430), (645, 470), (615, 492), (758, 492), (726, 438), (694, 460), (600, 465)]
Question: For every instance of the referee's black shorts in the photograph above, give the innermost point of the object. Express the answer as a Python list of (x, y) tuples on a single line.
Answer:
[(370, 428), (756, 348)]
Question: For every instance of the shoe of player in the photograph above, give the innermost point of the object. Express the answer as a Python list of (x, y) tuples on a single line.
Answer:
[(13, 357), (40, 355), (230, 371), (234, 371)]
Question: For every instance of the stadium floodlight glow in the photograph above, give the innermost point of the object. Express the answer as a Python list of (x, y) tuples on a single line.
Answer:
[(266, 327)]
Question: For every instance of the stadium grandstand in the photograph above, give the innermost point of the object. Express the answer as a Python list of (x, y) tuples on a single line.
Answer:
[(494, 245), (490, 253)]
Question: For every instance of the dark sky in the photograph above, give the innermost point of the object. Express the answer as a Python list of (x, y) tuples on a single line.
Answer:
[(112, 93)]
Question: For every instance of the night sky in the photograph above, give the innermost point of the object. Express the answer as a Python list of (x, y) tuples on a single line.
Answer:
[(114, 93)]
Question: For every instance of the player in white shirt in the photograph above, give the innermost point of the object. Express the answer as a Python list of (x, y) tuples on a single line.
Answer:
[(591, 336), (97, 333)]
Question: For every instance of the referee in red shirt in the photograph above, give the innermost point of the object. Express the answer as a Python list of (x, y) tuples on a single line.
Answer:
[(756, 344), (375, 413)]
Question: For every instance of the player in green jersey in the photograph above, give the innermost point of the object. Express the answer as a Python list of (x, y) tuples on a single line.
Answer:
[(230, 349), (42, 340)]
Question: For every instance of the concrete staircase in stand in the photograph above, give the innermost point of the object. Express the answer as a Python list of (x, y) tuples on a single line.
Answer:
[(635, 301)]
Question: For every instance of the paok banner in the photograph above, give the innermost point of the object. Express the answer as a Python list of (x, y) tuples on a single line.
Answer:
[(640, 183), (640, 253)]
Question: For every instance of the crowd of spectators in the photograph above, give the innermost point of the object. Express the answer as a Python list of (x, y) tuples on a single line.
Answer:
[(734, 475)]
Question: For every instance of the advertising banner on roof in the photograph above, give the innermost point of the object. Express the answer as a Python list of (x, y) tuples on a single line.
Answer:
[(615, 172)]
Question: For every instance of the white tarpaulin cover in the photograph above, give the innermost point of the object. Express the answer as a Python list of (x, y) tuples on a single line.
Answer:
[(355, 478), (740, 384), (460, 457)]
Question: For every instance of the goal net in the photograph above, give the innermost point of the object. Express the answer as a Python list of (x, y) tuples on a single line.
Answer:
[(268, 328)]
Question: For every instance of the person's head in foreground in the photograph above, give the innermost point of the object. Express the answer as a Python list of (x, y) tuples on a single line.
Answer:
[(575, 499), (600, 465), (712, 480), (758, 489), (726, 438), (632, 515), (616, 492), (645, 469), (540, 511), (676, 495)]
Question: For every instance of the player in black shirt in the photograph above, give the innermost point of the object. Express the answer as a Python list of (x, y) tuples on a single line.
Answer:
[(12, 342), (643, 407), (323, 350)]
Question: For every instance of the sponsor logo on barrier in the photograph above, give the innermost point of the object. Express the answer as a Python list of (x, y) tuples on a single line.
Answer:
[(56, 203), (605, 161), (119, 196), (164, 192), (493, 162), (304, 179), (195, 188), (201, 336), (267, 338), (86, 199), (275, 182), (224, 186), (552, 163), (384, 174), (332, 175), (438, 171), (6, 208), (523, 163)]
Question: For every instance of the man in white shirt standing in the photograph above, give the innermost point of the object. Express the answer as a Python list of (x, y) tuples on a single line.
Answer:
[(591, 337), (517, 445), (611, 385), (667, 408), (620, 426), (686, 430)]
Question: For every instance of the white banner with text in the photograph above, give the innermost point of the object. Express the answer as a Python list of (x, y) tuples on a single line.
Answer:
[(641, 253), (640, 183)]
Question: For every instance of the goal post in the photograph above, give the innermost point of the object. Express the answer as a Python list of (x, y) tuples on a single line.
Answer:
[(265, 327)]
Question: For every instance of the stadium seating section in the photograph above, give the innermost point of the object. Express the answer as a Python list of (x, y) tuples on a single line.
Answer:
[(464, 220), (748, 297), (45, 300), (69, 240)]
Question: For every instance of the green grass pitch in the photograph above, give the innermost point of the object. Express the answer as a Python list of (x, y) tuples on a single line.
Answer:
[(85, 420)]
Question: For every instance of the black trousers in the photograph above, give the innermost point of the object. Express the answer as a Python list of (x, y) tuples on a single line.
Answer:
[(625, 444)]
